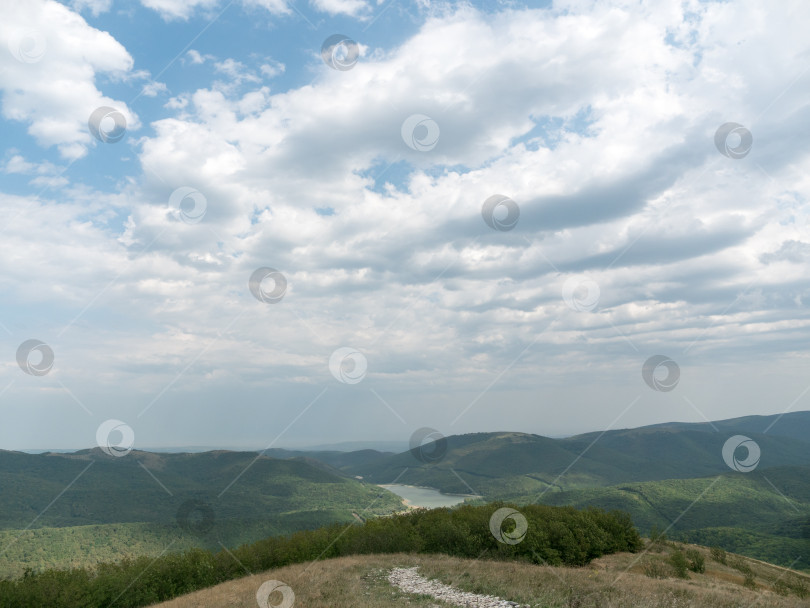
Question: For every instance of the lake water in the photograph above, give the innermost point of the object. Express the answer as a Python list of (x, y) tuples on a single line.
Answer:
[(424, 497)]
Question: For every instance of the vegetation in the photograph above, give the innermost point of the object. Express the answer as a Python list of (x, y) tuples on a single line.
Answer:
[(765, 525), (117, 509), (519, 465), (718, 554), (679, 564), (555, 536), (659, 474), (614, 581), (667, 473), (696, 561)]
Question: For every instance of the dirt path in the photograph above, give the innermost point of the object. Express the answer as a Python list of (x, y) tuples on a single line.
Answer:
[(407, 580)]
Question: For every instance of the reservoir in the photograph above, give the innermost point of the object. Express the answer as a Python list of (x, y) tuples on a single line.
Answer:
[(425, 497)]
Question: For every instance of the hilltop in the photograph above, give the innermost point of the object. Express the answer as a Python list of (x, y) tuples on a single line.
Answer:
[(622, 580)]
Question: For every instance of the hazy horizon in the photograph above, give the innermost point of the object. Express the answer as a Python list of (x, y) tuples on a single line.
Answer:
[(352, 445)]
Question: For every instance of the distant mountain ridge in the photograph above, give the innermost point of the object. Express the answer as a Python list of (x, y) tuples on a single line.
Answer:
[(653, 472), (537, 464)]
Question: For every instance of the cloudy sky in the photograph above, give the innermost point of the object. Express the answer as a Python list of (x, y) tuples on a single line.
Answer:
[(269, 222)]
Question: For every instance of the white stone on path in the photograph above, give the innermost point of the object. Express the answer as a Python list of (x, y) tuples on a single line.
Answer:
[(409, 581)]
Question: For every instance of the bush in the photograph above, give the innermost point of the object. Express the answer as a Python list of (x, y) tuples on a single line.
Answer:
[(658, 539), (790, 584), (718, 554), (696, 561), (780, 587), (655, 568), (741, 565), (798, 586), (679, 564), (750, 582)]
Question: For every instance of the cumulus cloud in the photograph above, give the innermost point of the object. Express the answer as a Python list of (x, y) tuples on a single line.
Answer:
[(96, 7), (341, 7), (179, 9), (184, 9), (47, 75), (561, 129), (597, 120)]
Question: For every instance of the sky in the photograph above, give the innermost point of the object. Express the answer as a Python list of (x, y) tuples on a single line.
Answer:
[(264, 223)]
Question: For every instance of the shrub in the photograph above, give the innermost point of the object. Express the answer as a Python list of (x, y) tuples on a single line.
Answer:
[(718, 554), (658, 536), (791, 584), (679, 564), (781, 587), (655, 568), (741, 565), (750, 582), (696, 561)]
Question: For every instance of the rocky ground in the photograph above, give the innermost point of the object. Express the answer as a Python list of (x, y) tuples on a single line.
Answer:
[(407, 580)]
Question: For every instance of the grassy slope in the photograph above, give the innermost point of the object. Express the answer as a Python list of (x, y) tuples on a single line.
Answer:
[(617, 581)]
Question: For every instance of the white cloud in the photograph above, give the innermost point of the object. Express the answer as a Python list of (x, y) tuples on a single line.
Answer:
[(587, 191), (53, 90), (272, 69), (153, 89), (96, 7), (597, 119), (341, 7), (18, 164), (179, 9), (184, 9), (196, 58), (236, 71)]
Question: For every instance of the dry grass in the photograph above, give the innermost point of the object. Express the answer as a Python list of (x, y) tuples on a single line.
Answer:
[(610, 582)]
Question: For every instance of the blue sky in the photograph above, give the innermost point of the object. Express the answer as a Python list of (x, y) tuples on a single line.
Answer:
[(365, 188)]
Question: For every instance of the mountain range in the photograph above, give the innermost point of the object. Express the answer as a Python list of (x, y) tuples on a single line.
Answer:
[(88, 506)]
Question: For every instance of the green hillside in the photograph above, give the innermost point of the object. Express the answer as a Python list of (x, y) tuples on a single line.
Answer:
[(133, 506), (762, 514), (654, 473), (145, 502), (510, 465)]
